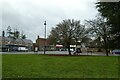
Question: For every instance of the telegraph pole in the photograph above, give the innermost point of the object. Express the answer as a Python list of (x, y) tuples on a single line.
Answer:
[(45, 38)]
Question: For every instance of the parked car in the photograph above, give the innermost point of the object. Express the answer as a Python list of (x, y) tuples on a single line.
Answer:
[(116, 51), (22, 49)]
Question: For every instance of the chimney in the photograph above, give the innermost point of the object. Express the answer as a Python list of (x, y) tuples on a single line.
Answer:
[(38, 37), (3, 34)]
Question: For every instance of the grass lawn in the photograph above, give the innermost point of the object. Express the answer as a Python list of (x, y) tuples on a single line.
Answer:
[(44, 66), (0, 65)]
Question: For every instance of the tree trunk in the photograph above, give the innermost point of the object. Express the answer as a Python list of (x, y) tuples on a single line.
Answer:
[(76, 45), (106, 47), (69, 50), (106, 52)]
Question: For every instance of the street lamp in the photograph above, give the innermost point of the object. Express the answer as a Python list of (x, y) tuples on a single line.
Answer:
[(45, 38)]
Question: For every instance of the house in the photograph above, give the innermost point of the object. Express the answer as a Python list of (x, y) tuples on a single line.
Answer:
[(10, 44), (42, 43)]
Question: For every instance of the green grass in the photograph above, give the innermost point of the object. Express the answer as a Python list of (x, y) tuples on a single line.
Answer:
[(44, 66), (0, 65)]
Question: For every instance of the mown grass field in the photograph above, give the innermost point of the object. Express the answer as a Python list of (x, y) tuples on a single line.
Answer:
[(0, 65), (44, 66)]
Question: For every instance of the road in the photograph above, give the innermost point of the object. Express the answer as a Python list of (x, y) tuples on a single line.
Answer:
[(57, 52)]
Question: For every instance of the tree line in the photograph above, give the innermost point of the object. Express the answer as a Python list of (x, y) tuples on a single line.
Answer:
[(14, 34), (105, 27)]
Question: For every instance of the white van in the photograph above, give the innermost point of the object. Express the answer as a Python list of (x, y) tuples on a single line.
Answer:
[(22, 49)]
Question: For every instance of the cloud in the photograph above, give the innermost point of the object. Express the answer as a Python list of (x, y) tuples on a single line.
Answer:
[(29, 15)]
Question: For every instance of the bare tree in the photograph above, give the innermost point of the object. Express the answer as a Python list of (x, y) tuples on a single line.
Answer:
[(9, 31), (16, 34), (23, 36), (68, 32), (80, 33), (101, 29)]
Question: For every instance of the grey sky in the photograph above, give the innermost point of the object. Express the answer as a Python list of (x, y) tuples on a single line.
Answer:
[(29, 15)]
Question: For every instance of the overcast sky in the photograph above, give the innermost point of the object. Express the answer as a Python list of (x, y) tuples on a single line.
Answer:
[(29, 15)]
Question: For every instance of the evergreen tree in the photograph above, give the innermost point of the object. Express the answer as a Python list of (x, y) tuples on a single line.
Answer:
[(111, 11)]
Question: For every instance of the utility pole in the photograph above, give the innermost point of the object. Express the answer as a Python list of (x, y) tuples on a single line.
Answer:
[(45, 38)]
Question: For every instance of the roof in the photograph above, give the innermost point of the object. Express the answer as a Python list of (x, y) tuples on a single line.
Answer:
[(25, 41)]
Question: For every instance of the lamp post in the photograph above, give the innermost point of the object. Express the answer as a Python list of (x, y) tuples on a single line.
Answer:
[(45, 38)]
